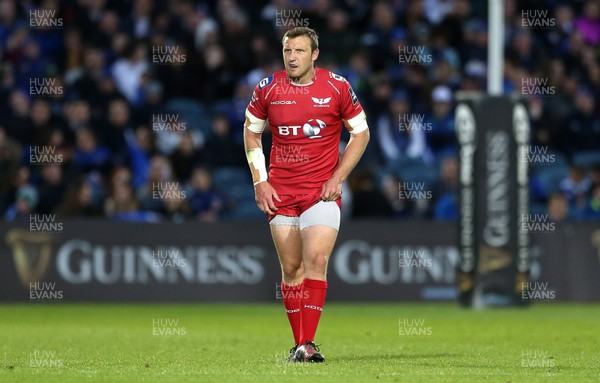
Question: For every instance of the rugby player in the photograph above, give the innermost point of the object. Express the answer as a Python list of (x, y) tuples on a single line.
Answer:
[(305, 107)]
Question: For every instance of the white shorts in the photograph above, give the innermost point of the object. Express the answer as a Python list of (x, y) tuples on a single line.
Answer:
[(326, 213)]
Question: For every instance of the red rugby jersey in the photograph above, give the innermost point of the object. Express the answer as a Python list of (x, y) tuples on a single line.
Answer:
[(306, 122)]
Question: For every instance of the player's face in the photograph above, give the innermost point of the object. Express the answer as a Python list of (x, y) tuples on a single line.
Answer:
[(298, 58)]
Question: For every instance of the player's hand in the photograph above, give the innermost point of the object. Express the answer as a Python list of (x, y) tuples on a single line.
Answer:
[(332, 189), (265, 196)]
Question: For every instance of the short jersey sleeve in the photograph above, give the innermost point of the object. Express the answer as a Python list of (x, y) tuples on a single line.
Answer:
[(258, 105)]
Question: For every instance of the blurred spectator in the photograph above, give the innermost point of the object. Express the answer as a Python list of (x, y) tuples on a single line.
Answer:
[(141, 148), (589, 23), (400, 133), (442, 137), (115, 127), (52, 188), (175, 206), (448, 182), (576, 186), (186, 156), (583, 129), (89, 156), (10, 159), (160, 178), (368, 200), (25, 204), (558, 207), (94, 68), (337, 42), (595, 175), (80, 202), (77, 114), (591, 210), (221, 148), (204, 201), (128, 71), (17, 122), (401, 207), (446, 208)]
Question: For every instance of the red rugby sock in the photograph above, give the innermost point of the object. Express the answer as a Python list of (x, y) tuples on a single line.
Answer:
[(313, 299), (291, 296)]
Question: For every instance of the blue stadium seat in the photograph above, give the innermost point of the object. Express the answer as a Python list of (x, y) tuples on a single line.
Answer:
[(546, 180), (538, 208), (233, 183), (587, 158), (247, 210), (551, 158), (413, 170), (192, 112)]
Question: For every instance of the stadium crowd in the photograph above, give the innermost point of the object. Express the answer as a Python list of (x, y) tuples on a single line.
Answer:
[(133, 110)]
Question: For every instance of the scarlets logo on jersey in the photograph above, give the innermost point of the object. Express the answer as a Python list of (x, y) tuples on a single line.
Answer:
[(321, 102)]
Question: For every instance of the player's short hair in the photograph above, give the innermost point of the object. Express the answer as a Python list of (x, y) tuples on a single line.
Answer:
[(303, 31)]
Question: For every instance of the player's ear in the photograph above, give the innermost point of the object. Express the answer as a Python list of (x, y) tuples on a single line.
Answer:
[(315, 54)]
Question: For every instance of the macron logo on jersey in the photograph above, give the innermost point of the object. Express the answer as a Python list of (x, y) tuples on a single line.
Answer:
[(321, 102)]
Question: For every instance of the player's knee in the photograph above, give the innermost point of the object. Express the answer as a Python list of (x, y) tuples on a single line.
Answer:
[(291, 270), (317, 261)]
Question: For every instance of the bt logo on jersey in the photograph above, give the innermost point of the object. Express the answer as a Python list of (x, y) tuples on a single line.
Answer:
[(311, 129), (285, 130)]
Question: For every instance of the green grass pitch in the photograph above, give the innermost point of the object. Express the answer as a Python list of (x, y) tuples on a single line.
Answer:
[(55, 342)]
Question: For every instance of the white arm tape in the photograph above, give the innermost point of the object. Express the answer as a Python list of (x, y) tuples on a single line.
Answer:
[(254, 124), (358, 123), (258, 167)]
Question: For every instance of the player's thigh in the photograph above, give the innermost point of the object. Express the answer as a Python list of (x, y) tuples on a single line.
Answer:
[(317, 243), (288, 242), (319, 227)]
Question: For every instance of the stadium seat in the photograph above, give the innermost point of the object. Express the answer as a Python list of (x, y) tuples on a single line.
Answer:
[(551, 158), (547, 180), (192, 112), (235, 186), (413, 170), (247, 210), (587, 158)]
